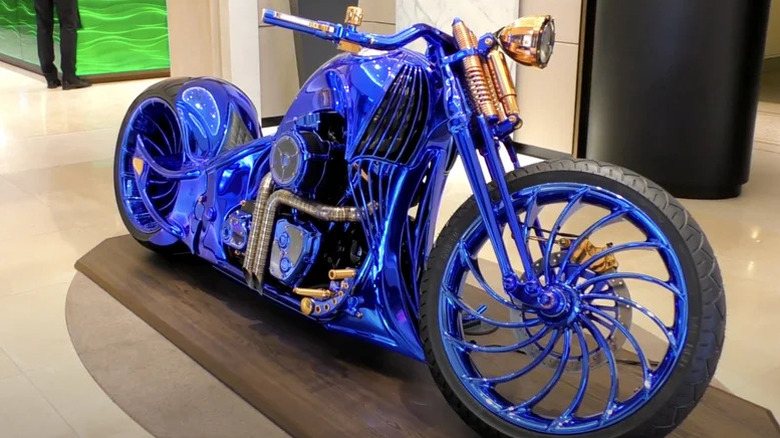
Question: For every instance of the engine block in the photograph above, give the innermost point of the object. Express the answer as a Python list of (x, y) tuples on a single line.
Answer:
[(293, 251)]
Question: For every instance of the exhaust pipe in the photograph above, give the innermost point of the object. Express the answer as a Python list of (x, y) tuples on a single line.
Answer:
[(263, 222)]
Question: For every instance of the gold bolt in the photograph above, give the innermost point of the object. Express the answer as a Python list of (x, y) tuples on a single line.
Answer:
[(307, 305)]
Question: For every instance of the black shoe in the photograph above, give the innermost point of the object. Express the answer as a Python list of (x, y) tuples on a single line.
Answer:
[(53, 83), (70, 84)]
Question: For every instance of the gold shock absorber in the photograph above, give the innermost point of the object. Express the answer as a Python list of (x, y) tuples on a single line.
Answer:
[(502, 82), (492, 81), (474, 69)]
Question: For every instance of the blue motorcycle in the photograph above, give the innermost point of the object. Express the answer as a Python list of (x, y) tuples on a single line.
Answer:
[(567, 297)]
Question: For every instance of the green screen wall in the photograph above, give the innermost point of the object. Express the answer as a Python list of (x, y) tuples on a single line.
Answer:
[(118, 36)]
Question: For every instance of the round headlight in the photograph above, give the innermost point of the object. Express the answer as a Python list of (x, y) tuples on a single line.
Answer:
[(529, 40)]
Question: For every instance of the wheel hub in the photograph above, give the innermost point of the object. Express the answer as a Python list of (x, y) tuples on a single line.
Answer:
[(559, 306)]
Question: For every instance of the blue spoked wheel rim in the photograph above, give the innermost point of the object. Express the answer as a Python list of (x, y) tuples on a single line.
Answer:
[(589, 330), (147, 197)]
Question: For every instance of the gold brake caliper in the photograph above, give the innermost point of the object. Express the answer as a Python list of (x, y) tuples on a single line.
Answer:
[(586, 250)]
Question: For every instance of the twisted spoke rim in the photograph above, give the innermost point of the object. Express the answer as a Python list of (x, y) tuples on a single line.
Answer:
[(609, 219), (571, 207), (645, 311), (477, 273), (466, 308), (584, 375), (630, 276), (554, 338), (581, 326), (631, 246), (613, 372), (545, 391), (468, 346), (646, 373)]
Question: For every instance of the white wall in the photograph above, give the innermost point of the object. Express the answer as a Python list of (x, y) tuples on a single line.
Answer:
[(241, 47)]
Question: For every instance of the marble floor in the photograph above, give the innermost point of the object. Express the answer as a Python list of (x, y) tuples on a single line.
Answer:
[(56, 202)]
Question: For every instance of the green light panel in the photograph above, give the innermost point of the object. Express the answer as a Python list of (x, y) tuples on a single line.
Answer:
[(118, 35)]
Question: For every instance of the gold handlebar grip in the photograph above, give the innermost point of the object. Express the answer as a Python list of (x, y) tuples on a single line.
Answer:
[(474, 70), (353, 17)]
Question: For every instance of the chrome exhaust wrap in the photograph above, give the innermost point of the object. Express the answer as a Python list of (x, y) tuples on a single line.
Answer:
[(263, 224), (263, 193)]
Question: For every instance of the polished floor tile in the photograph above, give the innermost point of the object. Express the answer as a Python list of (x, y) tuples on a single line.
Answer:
[(7, 366), (56, 202), (81, 402), (26, 413)]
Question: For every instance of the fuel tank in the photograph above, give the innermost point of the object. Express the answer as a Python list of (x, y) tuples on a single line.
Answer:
[(353, 85)]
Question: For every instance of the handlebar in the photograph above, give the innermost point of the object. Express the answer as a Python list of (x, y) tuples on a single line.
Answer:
[(338, 32)]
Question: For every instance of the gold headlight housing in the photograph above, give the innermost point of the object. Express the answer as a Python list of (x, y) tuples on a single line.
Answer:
[(529, 40)]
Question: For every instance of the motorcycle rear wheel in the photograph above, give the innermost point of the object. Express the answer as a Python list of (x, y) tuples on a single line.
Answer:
[(667, 391), (153, 117)]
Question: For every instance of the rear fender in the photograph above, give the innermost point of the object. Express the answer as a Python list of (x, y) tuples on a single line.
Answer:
[(215, 117)]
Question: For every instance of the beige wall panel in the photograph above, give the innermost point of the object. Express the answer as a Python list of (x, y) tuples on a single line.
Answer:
[(547, 101), (278, 71), (378, 28), (773, 36), (193, 29), (565, 12), (276, 5), (378, 10), (278, 65)]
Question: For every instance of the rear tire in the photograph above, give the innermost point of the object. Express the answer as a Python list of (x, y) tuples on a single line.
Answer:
[(694, 369), (157, 240)]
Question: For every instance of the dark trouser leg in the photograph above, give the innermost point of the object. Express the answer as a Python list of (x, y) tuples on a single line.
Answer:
[(44, 13), (68, 13)]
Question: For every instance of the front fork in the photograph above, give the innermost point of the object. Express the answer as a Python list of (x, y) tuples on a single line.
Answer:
[(460, 119)]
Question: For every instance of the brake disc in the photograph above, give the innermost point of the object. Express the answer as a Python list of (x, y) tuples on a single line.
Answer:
[(597, 357)]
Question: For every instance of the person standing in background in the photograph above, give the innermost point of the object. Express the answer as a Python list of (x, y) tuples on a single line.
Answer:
[(70, 22)]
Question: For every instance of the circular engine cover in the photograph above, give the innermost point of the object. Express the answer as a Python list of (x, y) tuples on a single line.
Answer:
[(297, 161)]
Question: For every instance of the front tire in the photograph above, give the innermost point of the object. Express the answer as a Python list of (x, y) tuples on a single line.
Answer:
[(683, 373)]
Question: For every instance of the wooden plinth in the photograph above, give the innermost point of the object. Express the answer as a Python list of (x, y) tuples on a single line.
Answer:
[(310, 382)]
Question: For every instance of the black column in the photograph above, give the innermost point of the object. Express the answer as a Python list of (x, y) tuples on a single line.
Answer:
[(674, 90)]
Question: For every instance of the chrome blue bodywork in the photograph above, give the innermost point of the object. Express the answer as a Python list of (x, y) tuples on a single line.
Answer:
[(187, 168)]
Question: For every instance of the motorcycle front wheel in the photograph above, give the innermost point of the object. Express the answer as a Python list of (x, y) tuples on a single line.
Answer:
[(636, 338)]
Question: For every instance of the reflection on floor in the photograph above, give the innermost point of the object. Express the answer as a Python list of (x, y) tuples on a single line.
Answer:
[(56, 202)]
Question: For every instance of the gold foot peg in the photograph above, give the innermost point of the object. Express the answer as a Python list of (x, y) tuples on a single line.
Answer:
[(320, 294), (340, 274)]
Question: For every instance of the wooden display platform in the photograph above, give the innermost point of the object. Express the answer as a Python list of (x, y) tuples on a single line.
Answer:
[(310, 382)]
